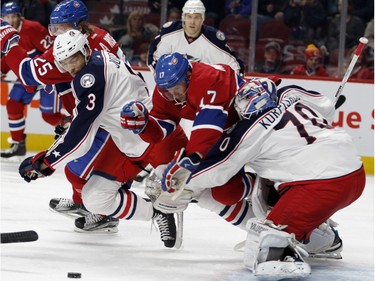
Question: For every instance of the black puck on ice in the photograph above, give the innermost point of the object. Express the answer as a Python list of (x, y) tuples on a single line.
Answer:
[(74, 275)]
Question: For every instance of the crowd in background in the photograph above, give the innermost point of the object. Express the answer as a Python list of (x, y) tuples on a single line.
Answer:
[(299, 37)]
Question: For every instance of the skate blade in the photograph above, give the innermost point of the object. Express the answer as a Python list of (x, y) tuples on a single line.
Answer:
[(68, 215), (326, 256), (180, 230), (108, 230)]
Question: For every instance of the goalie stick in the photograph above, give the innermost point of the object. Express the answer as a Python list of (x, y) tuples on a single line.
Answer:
[(20, 236), (340, 99)]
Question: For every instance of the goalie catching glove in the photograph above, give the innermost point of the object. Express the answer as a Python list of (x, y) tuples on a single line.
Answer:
[(134, 117), (31, 168), (179, 170), (9, 36)]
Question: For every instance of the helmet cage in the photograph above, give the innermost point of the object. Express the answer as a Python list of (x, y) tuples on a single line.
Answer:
[(256, 96)]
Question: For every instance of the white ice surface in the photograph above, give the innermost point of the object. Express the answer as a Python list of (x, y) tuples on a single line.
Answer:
[(136, 253)]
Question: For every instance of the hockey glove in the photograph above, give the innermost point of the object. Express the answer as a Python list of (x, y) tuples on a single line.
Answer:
[(134, 117), (60, 129), (30, 168), (179, 170), (9, 36)]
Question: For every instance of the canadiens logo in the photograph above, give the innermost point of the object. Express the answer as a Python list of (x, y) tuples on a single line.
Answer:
[(87, 80), (174, 61)]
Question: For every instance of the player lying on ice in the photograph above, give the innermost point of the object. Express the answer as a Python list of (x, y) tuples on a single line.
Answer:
[(284, 135)]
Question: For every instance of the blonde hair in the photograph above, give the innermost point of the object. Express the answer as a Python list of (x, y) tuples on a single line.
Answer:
[(135, 13)]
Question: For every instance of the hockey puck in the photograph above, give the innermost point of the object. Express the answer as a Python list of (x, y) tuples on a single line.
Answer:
[(74, 275)]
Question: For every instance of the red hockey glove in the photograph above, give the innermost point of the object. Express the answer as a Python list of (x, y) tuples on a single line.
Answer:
[(179, 170), (8, 36), (30, 168), (134, 116)]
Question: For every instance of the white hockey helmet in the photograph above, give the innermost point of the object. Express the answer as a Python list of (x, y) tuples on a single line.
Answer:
[(70, 43), (193, 7)]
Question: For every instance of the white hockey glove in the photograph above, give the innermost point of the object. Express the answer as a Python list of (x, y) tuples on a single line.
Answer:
[(163, 201)]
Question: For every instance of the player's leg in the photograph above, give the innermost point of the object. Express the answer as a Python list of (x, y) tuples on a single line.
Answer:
[(50, 106), (18, 99)]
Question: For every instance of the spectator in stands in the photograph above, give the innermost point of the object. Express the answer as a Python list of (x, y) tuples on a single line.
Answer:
[(215, 11), (307, 18), (38, 10), (369, 33), (155, 5), (140, 56), (354, 29), (137, 32), (363, 9), (238, 8), (272, 62), (174, 14), (313, 65)]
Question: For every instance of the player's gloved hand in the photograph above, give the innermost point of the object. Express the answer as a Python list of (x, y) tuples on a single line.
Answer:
[(9, 36), (31, 168), (179, 170), (60, 129), (134, 117)]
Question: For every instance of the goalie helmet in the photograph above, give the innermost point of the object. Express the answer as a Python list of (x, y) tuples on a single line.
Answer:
[(70, 43), (256, 96), (171, 69), (193, 7), (69, 11), (10, 8)]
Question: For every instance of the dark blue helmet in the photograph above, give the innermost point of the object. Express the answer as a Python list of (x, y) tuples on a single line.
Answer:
[(256, 96), (69, 11), (10, 8), (170, 70)]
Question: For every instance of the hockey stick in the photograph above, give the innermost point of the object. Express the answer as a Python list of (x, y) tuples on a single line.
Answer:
[(340, 99), (20, 236)]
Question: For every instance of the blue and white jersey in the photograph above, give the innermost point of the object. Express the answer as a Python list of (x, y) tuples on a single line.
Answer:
[(101, 89), (293, 142), (210, 47)]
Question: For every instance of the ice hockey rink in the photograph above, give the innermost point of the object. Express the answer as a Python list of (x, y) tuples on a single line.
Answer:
[(136, 252)]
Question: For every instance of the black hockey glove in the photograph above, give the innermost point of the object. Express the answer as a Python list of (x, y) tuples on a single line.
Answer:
[(60, 129), (30, 168)]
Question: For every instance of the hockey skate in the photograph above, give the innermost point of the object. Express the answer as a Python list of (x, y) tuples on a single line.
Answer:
[(333, 252), (16, 149), (96, 223), (167, 228), (67, 207)]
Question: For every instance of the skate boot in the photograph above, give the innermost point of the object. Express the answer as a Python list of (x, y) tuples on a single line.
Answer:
[(334, 251), (67, 207), (96, 223), (16, 149), (167, 228)]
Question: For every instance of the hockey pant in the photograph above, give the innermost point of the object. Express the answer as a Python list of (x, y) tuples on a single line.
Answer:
[(107, 191)]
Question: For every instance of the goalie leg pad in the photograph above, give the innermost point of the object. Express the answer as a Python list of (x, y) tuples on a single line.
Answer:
[(272, 252)]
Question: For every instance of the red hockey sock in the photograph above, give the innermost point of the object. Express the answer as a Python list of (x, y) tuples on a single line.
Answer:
[(53, 119), (77, 185), (15, 114)]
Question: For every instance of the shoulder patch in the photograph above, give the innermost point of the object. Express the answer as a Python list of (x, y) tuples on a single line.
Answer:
[(220, 35), (87, 80), (167, 24)]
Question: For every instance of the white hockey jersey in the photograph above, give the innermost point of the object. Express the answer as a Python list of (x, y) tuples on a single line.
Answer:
[(101, 89), (293, 142), (210, 47)]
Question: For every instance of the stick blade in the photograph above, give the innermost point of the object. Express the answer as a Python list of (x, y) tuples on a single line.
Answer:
[(20, 236), (340, 101)]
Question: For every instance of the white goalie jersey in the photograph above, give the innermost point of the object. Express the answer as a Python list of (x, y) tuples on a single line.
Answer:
[(285, 144)]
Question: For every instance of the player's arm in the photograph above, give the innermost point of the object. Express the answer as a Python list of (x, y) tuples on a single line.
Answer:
[(85, 122)]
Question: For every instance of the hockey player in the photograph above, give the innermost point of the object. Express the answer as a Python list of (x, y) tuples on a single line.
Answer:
[(211, 111), (284, 135), (191, 37), (34, 38), (43, 70), (102, 84)]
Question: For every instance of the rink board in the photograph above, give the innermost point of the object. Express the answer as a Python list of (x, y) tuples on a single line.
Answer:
[(356, 116)]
